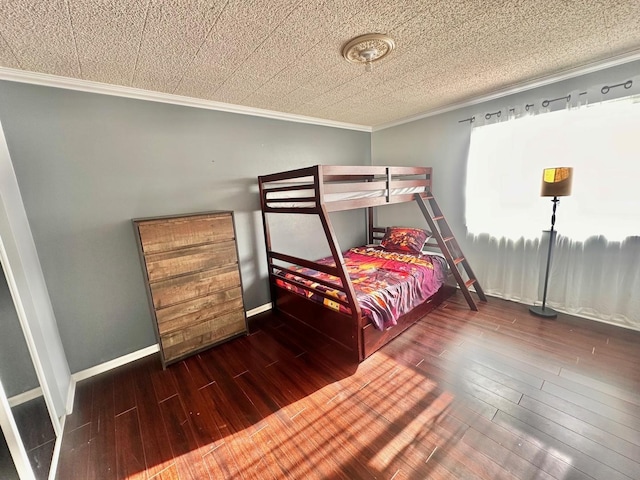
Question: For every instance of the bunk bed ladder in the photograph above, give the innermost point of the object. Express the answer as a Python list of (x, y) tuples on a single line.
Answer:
[(450, 248)]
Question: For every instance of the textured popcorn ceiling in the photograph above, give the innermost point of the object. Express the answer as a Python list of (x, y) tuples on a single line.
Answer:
[(285, 55)]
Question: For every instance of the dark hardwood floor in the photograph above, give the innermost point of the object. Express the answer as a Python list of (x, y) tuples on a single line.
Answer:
[(38, 437), (494, 394), (7, 468)]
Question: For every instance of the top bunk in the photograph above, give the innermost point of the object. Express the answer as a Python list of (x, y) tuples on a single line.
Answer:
[(335, 188)]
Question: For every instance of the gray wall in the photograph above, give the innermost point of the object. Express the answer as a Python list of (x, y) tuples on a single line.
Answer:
[(22, 265), (443, 143), (86, 164)]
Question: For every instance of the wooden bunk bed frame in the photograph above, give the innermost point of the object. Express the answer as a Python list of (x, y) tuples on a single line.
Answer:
[(317, 191)]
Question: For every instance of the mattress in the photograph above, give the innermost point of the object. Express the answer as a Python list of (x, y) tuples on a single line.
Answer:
[(387, 284)]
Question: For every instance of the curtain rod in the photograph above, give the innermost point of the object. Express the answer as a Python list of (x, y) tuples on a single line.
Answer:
[(545, 103), (627, 85)]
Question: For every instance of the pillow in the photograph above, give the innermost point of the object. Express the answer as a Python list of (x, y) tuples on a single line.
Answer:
[(404, 239)]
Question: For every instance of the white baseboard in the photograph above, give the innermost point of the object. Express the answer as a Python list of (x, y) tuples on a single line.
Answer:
[(262, 308), (25, 397), (130, 357), (115, 363)]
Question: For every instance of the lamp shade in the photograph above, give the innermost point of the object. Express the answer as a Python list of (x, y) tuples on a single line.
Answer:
[(556, 182)]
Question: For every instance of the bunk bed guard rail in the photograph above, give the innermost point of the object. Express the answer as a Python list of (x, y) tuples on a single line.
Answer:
[(339, 187)]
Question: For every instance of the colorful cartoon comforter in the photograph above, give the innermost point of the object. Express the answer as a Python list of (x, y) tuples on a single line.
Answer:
[(387, 284)]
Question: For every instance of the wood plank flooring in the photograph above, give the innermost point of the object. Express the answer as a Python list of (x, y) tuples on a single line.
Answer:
[(494, 394), (38, 437), (7, 468)]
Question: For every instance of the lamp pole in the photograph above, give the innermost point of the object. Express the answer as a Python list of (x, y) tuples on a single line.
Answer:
[(543, 311)]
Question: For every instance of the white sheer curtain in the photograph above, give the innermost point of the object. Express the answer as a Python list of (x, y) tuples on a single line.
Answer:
[(596, 265)]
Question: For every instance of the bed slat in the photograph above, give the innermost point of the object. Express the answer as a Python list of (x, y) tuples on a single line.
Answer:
[(317, 292), (292, 200), (301, 210), (354, 187), (339, 172), (326, 283), (289, 188), (367, 202), (331, 270)]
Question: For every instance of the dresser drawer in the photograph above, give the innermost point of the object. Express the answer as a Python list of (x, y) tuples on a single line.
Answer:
[(196, 311), (187, 287), (188, 260), (163, 235), (204, 334)]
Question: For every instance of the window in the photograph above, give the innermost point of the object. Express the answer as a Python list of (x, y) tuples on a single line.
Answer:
[(601, 142)]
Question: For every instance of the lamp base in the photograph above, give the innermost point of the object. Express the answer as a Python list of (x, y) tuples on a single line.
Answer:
[(545, 312)]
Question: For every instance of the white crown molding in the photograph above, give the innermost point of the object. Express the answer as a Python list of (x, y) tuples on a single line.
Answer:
[(522, 87), (34, 78), (47, 80)]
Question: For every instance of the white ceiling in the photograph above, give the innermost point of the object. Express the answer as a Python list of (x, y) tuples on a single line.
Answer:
[(286, 55)]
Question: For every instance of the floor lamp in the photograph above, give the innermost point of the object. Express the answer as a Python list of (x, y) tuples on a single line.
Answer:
[(556, 182)]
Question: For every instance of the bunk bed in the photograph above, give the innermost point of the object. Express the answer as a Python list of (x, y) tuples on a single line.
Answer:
[(326, 294)]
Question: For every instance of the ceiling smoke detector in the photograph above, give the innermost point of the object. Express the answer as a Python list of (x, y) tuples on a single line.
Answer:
[(368, 48)]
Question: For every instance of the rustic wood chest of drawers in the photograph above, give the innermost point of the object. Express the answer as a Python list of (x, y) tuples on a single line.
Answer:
[(192, 275)]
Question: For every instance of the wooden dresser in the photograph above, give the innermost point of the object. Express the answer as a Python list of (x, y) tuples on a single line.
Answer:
[(192, 275)]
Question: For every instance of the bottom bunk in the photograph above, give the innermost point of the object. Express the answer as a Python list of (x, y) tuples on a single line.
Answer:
[(360, 342), (374, 339), (393, 290)]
